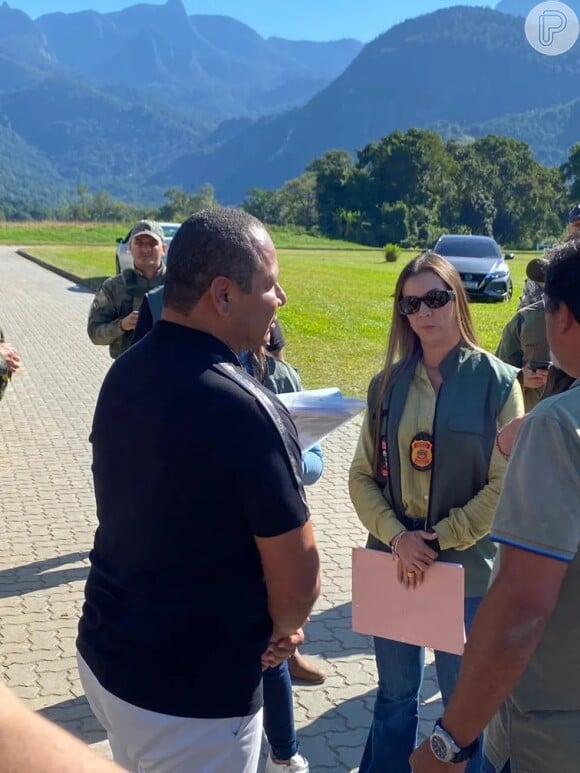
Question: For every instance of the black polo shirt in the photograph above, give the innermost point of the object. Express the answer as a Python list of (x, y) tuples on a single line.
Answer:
[(188, 467)]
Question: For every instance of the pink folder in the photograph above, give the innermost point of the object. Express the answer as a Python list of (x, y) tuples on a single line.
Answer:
[(430, 616)]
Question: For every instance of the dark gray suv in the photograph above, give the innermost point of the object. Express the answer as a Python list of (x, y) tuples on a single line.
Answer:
[(481, 265)]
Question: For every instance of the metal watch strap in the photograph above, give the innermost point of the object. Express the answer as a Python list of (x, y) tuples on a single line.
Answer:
[(465, 752)]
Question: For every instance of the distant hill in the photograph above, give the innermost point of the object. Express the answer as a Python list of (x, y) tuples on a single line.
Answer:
[(216, 63), (550, 132), (25, 173), (523, 7), (131, 101), (109, 100), (93, 138), (465, 66), (21, 41)]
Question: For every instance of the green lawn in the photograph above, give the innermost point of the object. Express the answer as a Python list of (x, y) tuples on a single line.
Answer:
[(339, 307), (62, 233), (106, 233), (339, 312)]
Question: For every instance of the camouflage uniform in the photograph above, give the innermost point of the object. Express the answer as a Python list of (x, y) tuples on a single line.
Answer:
[(4, 372), (532, 293), (523, 340), (118, 297)]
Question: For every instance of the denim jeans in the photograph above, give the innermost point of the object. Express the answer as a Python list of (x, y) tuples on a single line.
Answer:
[(393, 733), (279, 712), (487, 767)]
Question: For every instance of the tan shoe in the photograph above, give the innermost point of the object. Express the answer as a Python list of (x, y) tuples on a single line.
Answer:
[(304, 670)]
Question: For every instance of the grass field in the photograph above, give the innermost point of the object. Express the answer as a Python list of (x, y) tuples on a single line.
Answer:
[(61, 233), (57, 233), (339, 308)]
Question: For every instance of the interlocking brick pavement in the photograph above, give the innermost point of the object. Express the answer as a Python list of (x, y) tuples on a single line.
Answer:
[(47, 522)]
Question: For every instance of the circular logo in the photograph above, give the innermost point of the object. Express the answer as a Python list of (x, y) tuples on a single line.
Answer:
[(552, 28), (421, 451)]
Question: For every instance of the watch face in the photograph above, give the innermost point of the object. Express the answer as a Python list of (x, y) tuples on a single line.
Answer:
[(440, 748)]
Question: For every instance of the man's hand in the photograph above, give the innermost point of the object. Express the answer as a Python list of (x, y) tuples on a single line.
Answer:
[(423, 761), (280, 648), (534, 379), (11, 357), (129, 322)]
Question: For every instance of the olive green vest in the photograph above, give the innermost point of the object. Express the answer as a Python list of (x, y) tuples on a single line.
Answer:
[(475, 388)]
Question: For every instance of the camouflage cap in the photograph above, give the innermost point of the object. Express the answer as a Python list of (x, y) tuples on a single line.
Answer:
[(574, 214), (149, 228)]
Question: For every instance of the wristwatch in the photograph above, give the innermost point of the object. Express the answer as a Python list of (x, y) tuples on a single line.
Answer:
[(445, 749)]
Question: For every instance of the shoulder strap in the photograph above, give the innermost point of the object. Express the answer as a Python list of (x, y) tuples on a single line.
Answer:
[(248, 384)]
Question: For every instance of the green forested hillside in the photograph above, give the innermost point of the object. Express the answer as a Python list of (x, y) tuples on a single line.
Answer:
[(466, 66), (90, 99)]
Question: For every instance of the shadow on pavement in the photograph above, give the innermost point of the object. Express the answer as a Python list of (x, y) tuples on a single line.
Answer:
[(41, 575), (75, 715), (329, 633), (341, 731)]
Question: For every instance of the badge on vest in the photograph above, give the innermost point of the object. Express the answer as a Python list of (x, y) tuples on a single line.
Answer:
[(421, 451)]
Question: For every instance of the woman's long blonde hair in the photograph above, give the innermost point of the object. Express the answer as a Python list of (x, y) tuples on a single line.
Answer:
[(404, 345)]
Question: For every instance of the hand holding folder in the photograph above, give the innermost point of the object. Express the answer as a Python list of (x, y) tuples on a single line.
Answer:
[(430, 615)]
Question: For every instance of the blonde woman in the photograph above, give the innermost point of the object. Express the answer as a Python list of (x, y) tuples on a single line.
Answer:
[(426, 477)]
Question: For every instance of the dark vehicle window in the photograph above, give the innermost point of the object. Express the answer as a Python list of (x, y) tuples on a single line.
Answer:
[(467, 248), (169, 231)]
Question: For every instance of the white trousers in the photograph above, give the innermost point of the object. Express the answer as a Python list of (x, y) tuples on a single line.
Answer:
[(147, 742)]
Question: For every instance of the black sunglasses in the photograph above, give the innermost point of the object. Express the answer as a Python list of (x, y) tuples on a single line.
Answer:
[(434, 299)]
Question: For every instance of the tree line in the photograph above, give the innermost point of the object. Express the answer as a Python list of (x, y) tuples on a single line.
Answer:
[(410, 187), (99, 207), (406, 189)]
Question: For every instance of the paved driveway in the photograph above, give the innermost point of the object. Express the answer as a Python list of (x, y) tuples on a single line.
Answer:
[(47, 523)]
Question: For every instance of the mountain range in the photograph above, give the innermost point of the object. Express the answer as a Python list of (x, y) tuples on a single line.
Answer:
[(148, 98), (93, 94), (464, 71)]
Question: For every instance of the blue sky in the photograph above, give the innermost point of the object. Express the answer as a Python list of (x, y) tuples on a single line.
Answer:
[(295, 19)]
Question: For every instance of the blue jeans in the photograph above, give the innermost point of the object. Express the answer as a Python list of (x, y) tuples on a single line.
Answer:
[(487, 767), (279, 712), (393, 733)]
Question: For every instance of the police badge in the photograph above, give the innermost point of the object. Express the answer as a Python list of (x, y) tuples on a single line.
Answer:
[(421, 451)]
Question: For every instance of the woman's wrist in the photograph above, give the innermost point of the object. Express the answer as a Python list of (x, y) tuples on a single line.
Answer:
[(394, 543), (499, 448)]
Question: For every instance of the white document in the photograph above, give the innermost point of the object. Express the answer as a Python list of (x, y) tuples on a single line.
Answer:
[(318, 412)]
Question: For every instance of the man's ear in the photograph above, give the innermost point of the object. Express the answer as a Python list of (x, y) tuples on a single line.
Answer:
[(565, 319), (220, 291)]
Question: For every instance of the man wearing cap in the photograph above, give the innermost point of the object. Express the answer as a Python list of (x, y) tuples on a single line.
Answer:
[(535, 271), (113, 315), (523, 340)]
